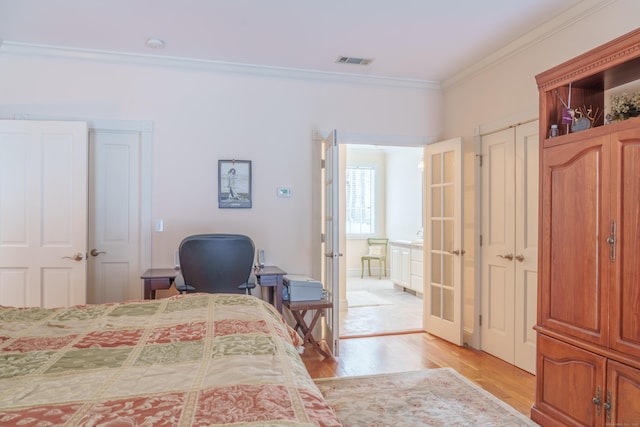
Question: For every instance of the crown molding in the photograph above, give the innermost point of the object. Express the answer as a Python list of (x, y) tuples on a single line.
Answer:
[(554, 25), (28, 49)]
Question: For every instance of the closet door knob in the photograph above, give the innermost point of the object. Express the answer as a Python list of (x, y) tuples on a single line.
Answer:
[(519, 257), (508, 257)]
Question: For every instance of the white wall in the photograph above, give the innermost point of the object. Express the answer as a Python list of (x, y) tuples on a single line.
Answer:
[(201, 115), (404, 193)]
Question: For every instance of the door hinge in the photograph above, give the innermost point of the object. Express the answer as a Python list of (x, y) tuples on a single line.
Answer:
[(480, 320), (481, 240), (479, 156), (322, 163)]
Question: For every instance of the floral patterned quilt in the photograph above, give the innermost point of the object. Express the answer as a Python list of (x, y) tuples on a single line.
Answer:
[(188, 360)]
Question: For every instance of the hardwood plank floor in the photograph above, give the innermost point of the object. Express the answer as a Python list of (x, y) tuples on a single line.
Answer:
[(417, 351)]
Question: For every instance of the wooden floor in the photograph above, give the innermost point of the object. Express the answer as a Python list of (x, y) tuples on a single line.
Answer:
[(417, 351)]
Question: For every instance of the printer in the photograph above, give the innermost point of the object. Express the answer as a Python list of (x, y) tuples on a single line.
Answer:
[(302, 288)]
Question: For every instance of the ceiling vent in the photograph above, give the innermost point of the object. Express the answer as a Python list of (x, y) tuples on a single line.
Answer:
[(352, 60)]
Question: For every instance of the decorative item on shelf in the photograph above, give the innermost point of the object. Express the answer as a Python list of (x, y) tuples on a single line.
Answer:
[(584, 118), (567, 111), (624, 106)]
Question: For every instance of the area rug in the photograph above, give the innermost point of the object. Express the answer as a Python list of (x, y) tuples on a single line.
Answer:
[(434, 397), (365, 299)]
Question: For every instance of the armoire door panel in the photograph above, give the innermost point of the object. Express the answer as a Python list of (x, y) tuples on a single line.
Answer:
[(568, 379), (575, 257), (624, 390), (625, 299)]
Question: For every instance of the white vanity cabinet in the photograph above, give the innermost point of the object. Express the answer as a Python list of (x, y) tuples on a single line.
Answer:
[(417, 265), (407, 265)]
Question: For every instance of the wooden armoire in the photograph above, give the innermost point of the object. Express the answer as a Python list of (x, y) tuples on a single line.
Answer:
[(588, 329)]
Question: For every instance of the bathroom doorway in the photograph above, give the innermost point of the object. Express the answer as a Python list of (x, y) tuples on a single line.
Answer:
[(375, 305)]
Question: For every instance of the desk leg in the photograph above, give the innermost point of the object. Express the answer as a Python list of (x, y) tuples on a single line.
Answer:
[(148, 292), (278, 296), (151, 285)]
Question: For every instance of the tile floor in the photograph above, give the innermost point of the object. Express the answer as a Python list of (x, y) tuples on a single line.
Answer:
[(377, 307)]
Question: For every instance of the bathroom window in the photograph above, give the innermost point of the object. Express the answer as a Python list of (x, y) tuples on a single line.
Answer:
[(361, 192)]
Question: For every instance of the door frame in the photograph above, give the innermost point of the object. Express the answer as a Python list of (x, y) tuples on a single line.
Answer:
[(345, 138), (145, 128)]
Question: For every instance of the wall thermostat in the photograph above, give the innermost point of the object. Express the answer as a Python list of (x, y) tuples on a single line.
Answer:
[(284, 192)]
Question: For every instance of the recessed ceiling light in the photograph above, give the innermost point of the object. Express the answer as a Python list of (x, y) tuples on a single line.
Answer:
[(155, 44)]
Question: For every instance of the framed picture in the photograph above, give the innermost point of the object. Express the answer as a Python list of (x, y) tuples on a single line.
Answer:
[(234, 183)]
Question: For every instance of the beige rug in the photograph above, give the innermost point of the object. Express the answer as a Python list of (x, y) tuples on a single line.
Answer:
[(365, 299), (434, 397)]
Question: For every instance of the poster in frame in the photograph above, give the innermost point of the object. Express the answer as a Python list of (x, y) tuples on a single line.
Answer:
[(234, 183)]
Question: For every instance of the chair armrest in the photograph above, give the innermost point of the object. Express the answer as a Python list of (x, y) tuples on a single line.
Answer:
[(180, 284)]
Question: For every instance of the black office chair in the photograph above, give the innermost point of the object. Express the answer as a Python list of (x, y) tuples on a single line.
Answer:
[(216, 263)]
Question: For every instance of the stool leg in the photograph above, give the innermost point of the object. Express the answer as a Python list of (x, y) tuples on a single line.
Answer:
[(362, 270), (369, 265)]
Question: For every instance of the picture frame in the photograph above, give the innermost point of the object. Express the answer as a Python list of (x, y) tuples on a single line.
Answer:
[(234, 184)]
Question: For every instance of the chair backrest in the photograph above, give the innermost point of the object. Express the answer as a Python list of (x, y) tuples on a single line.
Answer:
[(216, 263), (377, 246)]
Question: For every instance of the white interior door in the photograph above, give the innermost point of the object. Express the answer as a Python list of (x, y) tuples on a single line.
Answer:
[(443, 240), (526, 247), (114, 210), (498, 239), (43, 213), (332, 238), (509, 244)]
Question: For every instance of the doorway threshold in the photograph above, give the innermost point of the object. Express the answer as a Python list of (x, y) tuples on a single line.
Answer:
[(382, 334)]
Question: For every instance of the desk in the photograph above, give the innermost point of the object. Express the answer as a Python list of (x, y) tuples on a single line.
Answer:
[(272, 277), (156, 279), (299, 309)]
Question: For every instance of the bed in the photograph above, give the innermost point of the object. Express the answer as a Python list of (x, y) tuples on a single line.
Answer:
[(187, 360)]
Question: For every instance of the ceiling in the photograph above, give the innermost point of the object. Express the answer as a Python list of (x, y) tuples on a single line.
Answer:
[(426, 40)]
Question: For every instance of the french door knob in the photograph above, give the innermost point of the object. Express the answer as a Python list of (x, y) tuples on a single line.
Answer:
[(519, 257), (457, 252), (95, 252), (508, 257)]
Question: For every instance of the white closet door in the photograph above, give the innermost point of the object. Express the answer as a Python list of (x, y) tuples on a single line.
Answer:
[(114, 232), (43, 213), (509, 244), (498, 238), (526, 245)]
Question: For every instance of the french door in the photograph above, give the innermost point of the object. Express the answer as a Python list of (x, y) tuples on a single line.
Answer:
[(443, 240), (332, 238)]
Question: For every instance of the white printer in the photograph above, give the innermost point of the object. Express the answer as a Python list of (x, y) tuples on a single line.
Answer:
[(302, 288)]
